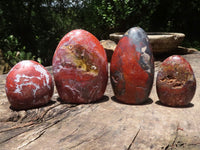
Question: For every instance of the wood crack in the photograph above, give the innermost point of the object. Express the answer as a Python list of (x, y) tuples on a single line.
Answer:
[(33, 125), (36, 120), (17, 126), (193, 144), (13, 136), (34, 139), (83, 141), (89, 140), (30, 124), (175, 143), (63, 139), (176, 136), (134, 138)]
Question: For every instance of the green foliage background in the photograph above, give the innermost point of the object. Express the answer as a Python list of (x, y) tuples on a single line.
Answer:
[(36, 26)]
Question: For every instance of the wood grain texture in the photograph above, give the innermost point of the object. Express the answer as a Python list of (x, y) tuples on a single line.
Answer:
[(104, 125)]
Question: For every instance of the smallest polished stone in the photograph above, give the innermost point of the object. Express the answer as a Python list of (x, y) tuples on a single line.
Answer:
[(28, 85), (175, 83)]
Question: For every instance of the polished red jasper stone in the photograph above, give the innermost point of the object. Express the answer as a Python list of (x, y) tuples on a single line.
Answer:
[(175, 83), (132, 67), (28, 85), (80, 68)]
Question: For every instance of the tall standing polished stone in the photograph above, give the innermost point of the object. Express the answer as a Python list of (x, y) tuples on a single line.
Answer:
[(132, 67)]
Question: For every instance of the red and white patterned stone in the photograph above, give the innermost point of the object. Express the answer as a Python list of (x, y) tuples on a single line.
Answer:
[(28, 85), (80, 68)]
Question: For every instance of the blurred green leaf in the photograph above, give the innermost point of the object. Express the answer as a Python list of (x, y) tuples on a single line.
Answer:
[(22, 55)]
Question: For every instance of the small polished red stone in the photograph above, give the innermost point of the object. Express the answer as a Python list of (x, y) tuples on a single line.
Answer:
[(175, 83), (29, 85)]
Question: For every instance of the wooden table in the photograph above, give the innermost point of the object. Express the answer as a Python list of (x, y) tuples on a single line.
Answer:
[(104, 125)]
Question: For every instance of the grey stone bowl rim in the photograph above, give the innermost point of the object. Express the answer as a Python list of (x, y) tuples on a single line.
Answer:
[(152, 35), (160, 41)]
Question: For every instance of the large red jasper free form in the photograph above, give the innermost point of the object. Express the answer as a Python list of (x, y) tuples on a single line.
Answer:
[(80, 68), (175, 83), (28, 85), (132, 67)]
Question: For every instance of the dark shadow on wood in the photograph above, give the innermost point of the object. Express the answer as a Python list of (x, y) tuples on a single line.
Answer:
[(147, 102), (60, 100), (51, 102), (187, 106), (101, 100)]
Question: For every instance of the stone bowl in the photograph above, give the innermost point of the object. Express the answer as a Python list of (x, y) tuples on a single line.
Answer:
[(161, 42)]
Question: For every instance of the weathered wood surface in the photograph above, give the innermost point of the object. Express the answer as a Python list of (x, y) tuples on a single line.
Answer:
[(104, 125)]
